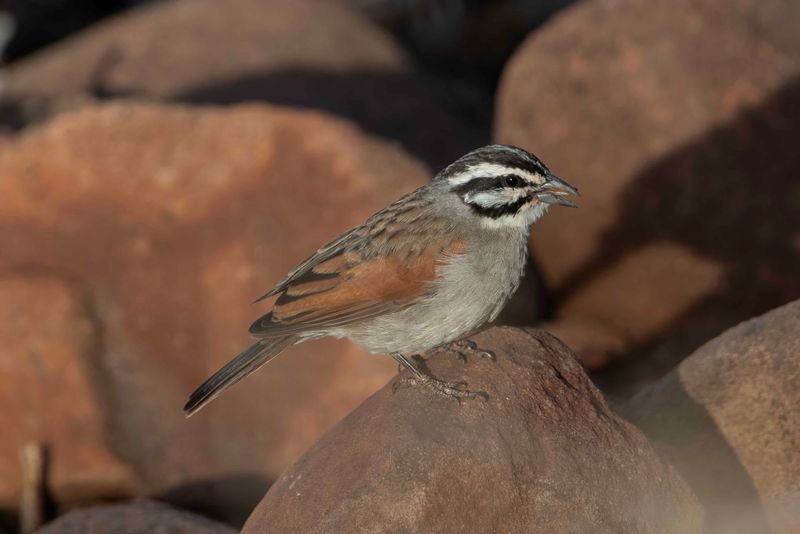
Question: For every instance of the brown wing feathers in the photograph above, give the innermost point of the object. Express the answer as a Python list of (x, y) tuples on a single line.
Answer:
[(347, 288), (383, 265)]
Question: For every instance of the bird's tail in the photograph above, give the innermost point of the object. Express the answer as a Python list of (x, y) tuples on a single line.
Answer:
[(242, 365)]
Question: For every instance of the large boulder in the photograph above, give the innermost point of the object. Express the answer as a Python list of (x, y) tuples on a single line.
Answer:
[(137, 517), (728, 419), (678, 121), (543, 454), (305, 53), (168, 221)]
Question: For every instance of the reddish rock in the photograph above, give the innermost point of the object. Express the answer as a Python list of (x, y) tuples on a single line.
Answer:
[(137, 517), (172, 220), (49, 339), (130, 53), (727, 418), (678, 121), (543, 454), (304, 53)]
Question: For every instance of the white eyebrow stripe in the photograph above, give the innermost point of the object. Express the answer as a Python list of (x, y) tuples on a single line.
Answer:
[(486, 169)]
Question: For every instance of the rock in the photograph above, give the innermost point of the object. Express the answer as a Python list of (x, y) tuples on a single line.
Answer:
[(678, 123), (620, 309), (171, 220), (49, 337), (543, 454), (727, 418), (193, 51), (136, 517)]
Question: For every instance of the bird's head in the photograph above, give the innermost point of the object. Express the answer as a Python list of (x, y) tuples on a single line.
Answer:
[(505, 186)]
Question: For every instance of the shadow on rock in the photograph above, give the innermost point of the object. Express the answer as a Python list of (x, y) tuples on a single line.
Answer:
[(732, 198), (391, 105), (228, 499), (134, 517), (313, 54)]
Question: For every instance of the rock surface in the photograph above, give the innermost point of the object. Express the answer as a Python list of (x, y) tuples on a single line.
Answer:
[(169, 221), (678, 121), (543, 454), (137, 517), (728, 419), (47, 391), (305, 53)]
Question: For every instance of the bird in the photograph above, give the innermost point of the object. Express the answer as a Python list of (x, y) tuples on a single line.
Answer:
[(424, 272)]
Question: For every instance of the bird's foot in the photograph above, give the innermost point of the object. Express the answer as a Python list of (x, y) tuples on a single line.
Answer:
[(444, 388), (463, 347)]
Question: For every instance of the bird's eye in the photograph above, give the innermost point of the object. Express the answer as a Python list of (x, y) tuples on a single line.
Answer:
[(509, 180)]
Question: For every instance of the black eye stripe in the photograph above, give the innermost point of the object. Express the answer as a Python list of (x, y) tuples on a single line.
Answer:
[(487, 183)]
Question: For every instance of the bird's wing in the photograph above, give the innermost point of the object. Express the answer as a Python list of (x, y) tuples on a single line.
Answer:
[(329, 250), (380, 233), (351, 286)]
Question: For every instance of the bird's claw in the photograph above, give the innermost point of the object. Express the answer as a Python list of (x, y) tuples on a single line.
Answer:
[(447, 389), (462, 347)]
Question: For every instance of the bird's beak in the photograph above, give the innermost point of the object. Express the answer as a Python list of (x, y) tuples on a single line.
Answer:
[(554, 190)]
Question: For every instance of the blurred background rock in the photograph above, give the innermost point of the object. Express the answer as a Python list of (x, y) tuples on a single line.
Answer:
[(32, 25), (681, 121), (164, 162)]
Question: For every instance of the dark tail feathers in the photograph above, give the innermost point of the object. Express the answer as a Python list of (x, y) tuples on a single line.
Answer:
[(242, 365)]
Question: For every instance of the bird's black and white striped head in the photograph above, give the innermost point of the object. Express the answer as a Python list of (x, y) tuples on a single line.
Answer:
[(505, 185)]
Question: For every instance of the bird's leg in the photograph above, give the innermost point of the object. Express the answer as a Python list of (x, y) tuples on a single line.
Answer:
[(467, 346), (420, 377)]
